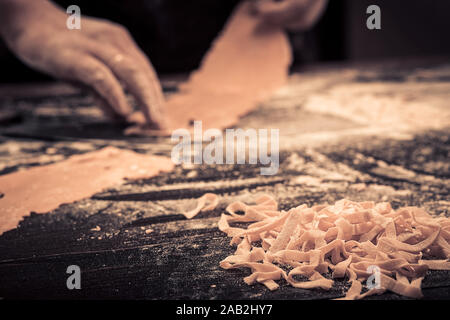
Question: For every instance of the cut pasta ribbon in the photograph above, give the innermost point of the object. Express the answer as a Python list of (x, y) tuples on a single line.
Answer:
[(347, 239), (208, 201)]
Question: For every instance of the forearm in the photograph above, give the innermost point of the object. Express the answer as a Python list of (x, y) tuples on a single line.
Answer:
[(18, 15)]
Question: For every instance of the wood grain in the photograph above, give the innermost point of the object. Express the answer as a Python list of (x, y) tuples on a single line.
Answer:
[(132, 242)]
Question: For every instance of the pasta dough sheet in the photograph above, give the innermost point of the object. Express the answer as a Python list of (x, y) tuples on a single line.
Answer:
[(44, 188), (244, 66)]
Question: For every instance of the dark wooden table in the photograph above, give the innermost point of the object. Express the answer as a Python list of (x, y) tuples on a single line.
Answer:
[(141, 247)]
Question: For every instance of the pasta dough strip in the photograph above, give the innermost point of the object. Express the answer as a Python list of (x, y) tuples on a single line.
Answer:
[(348, 238)]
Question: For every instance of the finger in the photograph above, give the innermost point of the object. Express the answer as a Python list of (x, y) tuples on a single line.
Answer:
[(119, 37), (106, 108), (278, 13), (96, 75), (135, 79), (98, 101), (310, 17), (126, 43), (287, 13)]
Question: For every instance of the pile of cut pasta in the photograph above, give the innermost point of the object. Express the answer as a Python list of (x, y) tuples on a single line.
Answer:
[(346, 240)]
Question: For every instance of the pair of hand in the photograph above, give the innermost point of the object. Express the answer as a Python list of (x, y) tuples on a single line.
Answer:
[(103, 56)]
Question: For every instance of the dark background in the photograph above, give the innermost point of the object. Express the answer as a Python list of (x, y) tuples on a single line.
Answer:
[(176, 33)]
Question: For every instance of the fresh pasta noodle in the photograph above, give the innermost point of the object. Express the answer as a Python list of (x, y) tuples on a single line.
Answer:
[(205, 203), (349, 239)]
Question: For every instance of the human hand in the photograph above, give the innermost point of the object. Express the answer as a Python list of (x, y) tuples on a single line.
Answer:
[(295, 15), (101, 55)]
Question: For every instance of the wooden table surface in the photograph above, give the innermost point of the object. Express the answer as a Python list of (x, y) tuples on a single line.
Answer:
[(141, 247)]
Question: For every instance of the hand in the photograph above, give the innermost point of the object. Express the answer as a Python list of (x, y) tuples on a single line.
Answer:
[(295, 15), (101, 55)]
